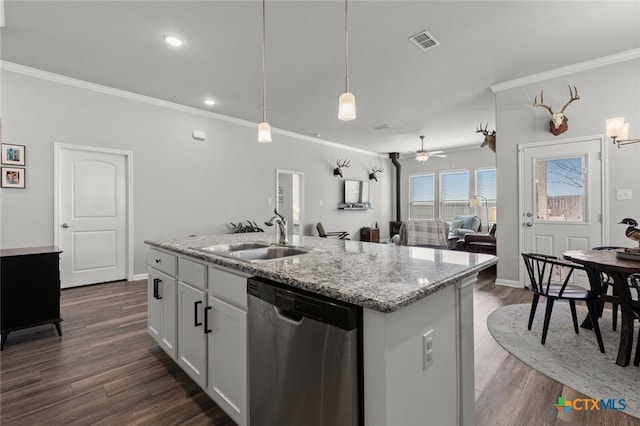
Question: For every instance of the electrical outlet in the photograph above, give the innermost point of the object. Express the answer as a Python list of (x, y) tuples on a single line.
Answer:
[(320, 202), (623, 194), (427, 349), (269, 201)]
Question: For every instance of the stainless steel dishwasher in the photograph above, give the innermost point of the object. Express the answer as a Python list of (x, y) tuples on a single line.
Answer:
[(305, 358)]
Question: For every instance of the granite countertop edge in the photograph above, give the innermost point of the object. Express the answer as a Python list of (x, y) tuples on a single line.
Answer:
[(356, 298)]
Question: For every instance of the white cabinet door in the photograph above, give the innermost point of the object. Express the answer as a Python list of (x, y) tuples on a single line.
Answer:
[(154, 307), (192, 341), (161, 320), (227, 364)]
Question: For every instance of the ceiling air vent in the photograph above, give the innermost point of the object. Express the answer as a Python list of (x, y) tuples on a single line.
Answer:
[(424, 40), (382, 127)]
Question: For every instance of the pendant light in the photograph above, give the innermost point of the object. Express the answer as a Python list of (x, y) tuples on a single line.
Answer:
[(346, 102), (264, 129)]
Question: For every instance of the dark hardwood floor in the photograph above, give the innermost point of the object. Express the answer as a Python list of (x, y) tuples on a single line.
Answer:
[(107, 370)]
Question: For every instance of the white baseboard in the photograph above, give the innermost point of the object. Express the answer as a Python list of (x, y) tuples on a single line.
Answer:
[(509, 283), (137, 277)]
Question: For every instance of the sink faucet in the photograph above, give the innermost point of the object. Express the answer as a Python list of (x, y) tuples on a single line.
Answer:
[(282, 224)]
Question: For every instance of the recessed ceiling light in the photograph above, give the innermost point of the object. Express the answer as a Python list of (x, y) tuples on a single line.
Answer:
[(173, 40), (209, 102)]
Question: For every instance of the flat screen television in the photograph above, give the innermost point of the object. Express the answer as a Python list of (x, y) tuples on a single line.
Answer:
[(356, 195)]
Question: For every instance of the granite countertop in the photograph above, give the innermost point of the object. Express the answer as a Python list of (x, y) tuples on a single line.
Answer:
[(381, 277)]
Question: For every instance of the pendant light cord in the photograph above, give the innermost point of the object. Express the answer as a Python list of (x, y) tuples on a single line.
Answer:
[(264, 69), (346, 45)]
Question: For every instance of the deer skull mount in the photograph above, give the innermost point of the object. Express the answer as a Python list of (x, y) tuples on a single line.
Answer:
[(558, 123), (374, 173), (489, 137), (341, 164)]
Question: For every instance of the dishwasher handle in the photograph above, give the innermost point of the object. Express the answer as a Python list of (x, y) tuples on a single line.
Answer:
[(288, 316), (294, 305)]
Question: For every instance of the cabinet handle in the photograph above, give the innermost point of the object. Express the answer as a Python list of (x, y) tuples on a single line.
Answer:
[(195, 313), (156, 292), (207, 330)]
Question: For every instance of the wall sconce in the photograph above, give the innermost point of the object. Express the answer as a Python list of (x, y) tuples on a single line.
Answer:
[(618, 131)]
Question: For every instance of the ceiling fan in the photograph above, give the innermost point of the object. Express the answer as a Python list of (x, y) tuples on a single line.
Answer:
[(423, 155)]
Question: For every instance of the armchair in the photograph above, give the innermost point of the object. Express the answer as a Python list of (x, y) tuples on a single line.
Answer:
[(463, 225), (479, 243), (342, 235)]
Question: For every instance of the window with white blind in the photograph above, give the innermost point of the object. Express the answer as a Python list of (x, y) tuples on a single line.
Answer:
[(454, 194), (486, 187), (421, 199)]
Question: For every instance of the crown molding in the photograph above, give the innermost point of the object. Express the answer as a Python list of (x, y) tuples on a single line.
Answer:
[(569, 69), (99, 88)]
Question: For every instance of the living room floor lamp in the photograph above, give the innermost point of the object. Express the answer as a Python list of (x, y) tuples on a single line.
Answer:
[(493, 217), (475, 202)]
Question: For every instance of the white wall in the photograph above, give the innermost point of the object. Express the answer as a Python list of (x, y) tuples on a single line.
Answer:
[(605, 92), (181, 186), (464, 159)]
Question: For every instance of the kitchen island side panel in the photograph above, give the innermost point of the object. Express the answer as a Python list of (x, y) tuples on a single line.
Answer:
[(398, 389)]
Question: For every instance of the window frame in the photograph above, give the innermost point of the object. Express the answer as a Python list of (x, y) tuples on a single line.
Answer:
[(461, 203), (432, 203), (491, 202)]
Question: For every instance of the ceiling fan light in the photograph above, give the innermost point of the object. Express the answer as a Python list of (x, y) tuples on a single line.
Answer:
[(347, 107), (422, 155), (264, 132)]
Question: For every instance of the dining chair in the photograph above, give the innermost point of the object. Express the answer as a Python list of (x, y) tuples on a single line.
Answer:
[(550, 277)]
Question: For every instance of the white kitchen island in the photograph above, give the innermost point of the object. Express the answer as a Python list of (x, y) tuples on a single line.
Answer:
[(417, 317)]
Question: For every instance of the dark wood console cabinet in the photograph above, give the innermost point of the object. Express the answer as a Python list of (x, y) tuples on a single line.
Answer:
[(371, 235), (29, 289)]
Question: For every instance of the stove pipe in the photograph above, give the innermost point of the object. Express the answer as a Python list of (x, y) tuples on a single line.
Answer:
[(394, 156), (394, 226)]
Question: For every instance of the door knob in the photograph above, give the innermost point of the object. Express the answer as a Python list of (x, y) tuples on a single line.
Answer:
[(65, 225), (529, 224)]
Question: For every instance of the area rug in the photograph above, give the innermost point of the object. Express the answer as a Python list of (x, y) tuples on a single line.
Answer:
[(568, 358)]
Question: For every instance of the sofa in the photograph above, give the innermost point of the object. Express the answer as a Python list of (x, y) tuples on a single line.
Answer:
[(424, 233)]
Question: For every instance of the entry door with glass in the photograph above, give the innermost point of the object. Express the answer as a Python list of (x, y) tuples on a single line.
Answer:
[(562, 197)]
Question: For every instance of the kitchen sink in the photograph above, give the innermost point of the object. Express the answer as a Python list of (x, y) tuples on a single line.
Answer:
[(233, 247), (268, 253), (255, 251)]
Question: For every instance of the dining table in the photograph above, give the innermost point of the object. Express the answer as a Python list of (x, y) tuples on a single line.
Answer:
[(607, 261)]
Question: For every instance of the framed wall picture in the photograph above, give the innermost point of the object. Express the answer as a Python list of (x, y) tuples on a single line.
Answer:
[(13, 154), (12, 177)]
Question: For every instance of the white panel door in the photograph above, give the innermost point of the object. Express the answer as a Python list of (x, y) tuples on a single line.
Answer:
[(562, 198), (92, 222)]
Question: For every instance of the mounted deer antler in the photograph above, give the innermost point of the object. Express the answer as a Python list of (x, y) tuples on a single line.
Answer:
[(559, 121), (374, 173), (489, 137), (341, 163)]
